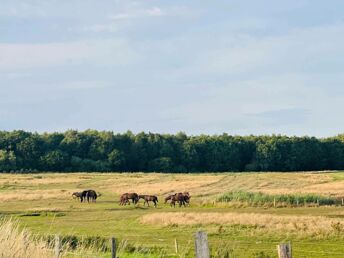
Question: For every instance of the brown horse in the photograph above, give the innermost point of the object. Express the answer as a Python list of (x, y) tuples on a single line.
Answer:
[(181, 198), (169, 198), (77, 195), (149, 198), (124, 199), (89, 195)]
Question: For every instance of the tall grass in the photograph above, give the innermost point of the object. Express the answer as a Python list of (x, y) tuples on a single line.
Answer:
[(18, 243), (259, 198)]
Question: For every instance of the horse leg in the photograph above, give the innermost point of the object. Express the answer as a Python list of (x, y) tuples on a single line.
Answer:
[(154, 203), (147, 203)]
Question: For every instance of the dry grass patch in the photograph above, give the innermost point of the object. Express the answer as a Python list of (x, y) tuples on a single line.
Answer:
[(32, 195), (158, 184), (293, 224), (20, 243), (332, 188), (16, 243), (39, 179)]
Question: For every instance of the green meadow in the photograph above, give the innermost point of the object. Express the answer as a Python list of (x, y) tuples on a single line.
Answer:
[(244, 214)]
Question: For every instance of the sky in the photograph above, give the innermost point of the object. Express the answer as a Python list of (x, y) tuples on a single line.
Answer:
[(200, 67)]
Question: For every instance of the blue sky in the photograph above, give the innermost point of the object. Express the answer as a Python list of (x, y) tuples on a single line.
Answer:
[(248, 67)]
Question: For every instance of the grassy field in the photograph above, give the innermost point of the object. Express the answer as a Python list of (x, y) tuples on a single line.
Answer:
[(42, 203)]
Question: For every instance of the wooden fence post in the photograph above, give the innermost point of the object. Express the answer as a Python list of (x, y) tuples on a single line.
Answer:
[(284, 250), (176, 245), (201, 245), (113, 247), (57, 246), (274, 202), (342, 201)]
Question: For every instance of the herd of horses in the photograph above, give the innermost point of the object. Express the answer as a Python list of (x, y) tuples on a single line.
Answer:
[(182, 199)]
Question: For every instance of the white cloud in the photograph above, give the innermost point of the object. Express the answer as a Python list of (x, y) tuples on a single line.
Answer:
[(22, 10), (301, 50), (106, 27), (15, 75), (25, 56), (117, 20), (82, 85), (139, 13)]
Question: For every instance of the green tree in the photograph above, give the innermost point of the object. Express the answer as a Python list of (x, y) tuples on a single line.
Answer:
[(55, 160), (7, 160), (116, 160)]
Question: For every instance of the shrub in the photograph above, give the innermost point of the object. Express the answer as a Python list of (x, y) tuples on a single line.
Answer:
[(259, 198)]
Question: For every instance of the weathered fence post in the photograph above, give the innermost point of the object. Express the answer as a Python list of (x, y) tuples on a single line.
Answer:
[(284, 250), (176, 245), (57, 246), (342, 201), (113, 247), (201, 245), (274, 202)]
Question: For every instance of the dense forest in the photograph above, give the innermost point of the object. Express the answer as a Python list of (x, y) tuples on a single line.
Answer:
[(91, 150)]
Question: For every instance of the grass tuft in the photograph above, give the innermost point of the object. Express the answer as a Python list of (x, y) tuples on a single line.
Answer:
[(261, 199)]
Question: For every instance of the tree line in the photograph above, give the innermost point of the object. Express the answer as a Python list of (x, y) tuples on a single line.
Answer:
[(105, 151)]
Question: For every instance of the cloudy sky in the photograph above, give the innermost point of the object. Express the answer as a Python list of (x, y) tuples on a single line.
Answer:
[(241, 67)]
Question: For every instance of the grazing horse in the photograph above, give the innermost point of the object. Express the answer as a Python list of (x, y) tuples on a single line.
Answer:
[(92, 195), (187, 197), (149, 198), (89, 195), (169, 198), (77, 195), (181, 198), (124, 199)]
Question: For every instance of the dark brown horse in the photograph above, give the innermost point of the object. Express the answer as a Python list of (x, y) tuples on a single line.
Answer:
[(181, 198), (89, 195), (169, 198), (149, 198), (124, 199), (77, 195)]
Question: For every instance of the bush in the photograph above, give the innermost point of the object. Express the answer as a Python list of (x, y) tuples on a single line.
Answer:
[(259, 198)]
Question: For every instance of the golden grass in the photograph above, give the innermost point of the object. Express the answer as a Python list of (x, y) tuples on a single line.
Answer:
[(160, 184), (16, 243), (20, 243), (31, 195), (40, 179), (205, 186), (285, 223)]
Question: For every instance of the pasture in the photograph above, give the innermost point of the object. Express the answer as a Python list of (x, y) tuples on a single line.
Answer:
[(43, 204)]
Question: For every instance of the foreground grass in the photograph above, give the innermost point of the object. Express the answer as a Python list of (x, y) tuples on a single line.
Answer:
[(43, 204)]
